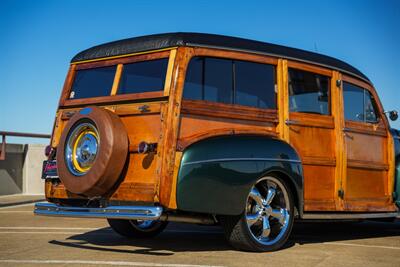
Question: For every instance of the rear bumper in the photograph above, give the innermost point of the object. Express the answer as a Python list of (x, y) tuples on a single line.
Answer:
[(111, 212)]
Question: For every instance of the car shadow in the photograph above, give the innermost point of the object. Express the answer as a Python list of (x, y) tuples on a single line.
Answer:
[(176, 237), (193, 238), (324, 232)]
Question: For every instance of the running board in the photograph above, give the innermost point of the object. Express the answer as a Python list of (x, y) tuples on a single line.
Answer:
[(339, 216), (111, 212)]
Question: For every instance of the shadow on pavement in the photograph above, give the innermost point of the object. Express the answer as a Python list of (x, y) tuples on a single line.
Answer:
[(183, 237), (323, 232), (176, 238)]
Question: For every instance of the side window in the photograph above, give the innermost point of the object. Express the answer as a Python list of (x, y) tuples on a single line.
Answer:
[(209, 79), (358, 104), (255, 84), (308, 92), (230, 82)]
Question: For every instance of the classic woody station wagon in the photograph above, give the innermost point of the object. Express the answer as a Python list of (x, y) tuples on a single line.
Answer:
[(211, 129)]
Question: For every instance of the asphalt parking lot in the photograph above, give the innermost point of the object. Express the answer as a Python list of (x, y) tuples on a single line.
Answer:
[(28, 240)]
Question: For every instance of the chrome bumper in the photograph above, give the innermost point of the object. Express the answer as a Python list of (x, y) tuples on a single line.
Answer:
[(112, 212)]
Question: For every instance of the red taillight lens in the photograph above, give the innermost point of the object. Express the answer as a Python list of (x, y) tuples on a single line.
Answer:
[(47, 150)]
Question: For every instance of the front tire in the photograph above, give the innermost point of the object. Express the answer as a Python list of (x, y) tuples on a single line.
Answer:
[(267, 220), (137, 228)]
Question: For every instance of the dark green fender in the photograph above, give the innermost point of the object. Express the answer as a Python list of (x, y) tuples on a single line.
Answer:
[(396, 194), (216, 174)]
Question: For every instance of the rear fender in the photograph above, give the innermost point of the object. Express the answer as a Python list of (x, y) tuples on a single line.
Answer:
[(216, 174)]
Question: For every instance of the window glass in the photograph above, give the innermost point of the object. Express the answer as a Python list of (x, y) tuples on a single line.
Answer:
[(209, 79), (358, 104), (308, 92), (255, 84), (369, 107), (146, 76), (194, 80), (218, 80), (93, 82)]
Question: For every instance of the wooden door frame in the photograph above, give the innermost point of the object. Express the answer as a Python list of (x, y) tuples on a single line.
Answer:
[(382, 128)]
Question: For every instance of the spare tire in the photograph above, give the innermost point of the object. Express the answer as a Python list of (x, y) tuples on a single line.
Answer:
[(92, 152)]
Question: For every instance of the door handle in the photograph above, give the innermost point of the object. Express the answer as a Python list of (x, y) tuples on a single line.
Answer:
[(291, 122)]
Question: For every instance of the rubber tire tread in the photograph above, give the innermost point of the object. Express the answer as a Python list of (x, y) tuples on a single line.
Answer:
[(126, 229)]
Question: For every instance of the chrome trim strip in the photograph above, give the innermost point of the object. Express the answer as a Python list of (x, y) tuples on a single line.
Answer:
[(241, 159), (335, 216), (113, 212)]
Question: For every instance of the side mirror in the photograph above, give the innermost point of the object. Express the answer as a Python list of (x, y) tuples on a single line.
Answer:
[(393, 115)]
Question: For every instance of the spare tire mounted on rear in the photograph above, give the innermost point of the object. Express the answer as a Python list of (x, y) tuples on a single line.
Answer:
[(92, 152)]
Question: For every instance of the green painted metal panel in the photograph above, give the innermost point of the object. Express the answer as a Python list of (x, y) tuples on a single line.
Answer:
[(216, 174)]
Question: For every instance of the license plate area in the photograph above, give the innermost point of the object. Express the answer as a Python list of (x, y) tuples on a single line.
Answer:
[(49, 169)]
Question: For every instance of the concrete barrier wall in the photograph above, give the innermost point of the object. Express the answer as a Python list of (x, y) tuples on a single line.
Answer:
[(20, 172)]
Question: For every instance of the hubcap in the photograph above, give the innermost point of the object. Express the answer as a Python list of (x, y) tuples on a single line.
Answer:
[(81, 148), (143, 225), (267, 211)]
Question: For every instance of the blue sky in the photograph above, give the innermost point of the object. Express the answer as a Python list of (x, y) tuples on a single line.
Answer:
[(38, 39)]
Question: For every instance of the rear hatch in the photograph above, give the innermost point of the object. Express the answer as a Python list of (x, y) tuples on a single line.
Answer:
[(137, 89)]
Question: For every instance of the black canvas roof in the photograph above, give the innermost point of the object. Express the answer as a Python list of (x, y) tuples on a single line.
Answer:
[(165, 40)]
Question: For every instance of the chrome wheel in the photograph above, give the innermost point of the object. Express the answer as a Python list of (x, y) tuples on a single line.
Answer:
[(267, 219), (267, 211), (81, 148)]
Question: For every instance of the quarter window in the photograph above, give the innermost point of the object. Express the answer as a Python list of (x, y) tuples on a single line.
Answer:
[(308, 92), (230, 82), (358, 104)]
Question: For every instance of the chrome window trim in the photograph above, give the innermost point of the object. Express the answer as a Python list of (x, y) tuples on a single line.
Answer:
[(241, 159)]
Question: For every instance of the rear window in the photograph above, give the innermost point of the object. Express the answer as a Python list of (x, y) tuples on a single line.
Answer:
[(137, 77), (93, 82), (146, 76)]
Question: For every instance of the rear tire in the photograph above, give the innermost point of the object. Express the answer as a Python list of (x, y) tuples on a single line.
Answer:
[(137, 228), (267, 221)]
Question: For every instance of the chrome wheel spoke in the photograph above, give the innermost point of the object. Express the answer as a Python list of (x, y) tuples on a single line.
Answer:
[(257, 197), (252, 218), (266, 227), (270, 195), (280, 214)]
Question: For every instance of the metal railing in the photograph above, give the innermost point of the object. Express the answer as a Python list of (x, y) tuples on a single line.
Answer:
[(3, 135)]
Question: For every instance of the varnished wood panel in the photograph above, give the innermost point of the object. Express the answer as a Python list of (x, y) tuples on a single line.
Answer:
[(125, 60), (229, 111), (113, 99), (319, 186), (363, 183), (170, 127)]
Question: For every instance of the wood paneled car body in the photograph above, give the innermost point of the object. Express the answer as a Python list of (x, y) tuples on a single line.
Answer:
[(212, 129)]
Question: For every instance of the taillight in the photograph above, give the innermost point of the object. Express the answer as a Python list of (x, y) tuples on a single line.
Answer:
[(47, 150)]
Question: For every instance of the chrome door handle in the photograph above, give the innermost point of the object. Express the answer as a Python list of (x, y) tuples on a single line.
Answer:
[(291, 122)]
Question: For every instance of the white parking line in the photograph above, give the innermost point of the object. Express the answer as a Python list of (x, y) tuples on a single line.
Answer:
[(49, 228), (113, 263), (52, 233), (16, 206), (359, 245), (17, 211)]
